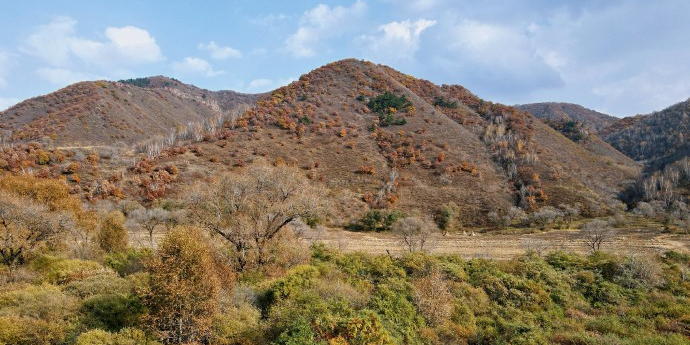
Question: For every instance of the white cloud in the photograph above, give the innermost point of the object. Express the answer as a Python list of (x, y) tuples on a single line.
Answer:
[(52, 42), (62, 76), (134, 44), (268, 20), (220, 53), (4, 68), (259, 52), (264, 84), (58, 44), (320, 23), (652, 90), (398, 40), (499, 56), (195, 66), (260, 84), (6, 102), (415, 6)]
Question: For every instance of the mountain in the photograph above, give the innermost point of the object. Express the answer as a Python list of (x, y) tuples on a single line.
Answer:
[(386, 139), (104, 112), (579, 124), (657, 139), (376, 137), (569, 112)]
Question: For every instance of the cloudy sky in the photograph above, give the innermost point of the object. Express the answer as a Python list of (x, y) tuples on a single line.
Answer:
[(622, 57)]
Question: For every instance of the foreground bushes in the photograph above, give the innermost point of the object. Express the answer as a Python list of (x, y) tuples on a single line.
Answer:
[(337, 298)]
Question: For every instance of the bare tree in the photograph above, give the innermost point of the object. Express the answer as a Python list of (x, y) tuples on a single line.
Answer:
[(536, 245), (24, 227), (570, 213), (414, 232), (431, 295), (176, 218), (596, 233), (645, 210), (546, 216), (149, 219), (249, 208)]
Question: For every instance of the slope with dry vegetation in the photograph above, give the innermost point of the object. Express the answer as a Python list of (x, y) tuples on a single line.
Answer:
[(105, 113)]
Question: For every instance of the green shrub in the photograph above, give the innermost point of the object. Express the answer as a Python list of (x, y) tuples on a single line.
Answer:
[(296, 280), (128, 262), (98, 284), (112, 311), (140, 82), (387, 105), (238, 325), (113, 236), (392, 301), (377, 220), (19, 330), (61, 271), (39, 301), (299, 333), (126, 336), (443, 103), (36, 314)]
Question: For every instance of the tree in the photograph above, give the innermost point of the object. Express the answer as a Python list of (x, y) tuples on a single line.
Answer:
[(249, 208), (545, 216), (183, 288), (414, 232), (149, 219), (570, 213), (24, 227), (448, 217), (645, 210), (113, 236), (432, 296), (596, 233)]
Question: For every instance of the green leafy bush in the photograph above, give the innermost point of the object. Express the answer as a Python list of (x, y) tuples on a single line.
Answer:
[(387, 105), (61, 271)]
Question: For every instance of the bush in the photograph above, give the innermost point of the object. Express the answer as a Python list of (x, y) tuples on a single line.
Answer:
[(140, 82), (62, 271), (37, 314), (387, 105), (128, 262), (443, 103), (112, 311), (378, 220), (113, 236), (126, 336), (107, 282)]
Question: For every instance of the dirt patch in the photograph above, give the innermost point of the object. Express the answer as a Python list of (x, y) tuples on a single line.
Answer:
[(504, 247)]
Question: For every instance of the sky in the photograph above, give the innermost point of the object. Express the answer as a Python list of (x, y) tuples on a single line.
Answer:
[(620, 57)]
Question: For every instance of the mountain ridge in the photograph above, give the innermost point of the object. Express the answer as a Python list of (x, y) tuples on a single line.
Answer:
[(378, 138), (115, 111)]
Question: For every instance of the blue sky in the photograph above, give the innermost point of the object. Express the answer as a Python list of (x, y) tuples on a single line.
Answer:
[(621, 57)]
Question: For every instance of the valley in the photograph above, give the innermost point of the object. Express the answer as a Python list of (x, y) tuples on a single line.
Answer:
[(356, 205)]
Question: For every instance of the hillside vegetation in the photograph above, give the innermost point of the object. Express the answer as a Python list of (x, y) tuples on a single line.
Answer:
[(77, 282), (656, 139), (108, 113), (564, 112), (193, 230)]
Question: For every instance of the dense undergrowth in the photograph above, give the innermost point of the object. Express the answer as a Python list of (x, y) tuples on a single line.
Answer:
[(336, 298)]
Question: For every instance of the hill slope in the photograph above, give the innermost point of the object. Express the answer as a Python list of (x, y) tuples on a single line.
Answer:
[(343, 124), (656, 139), (377, 138), (104, 113), (569, 112)]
